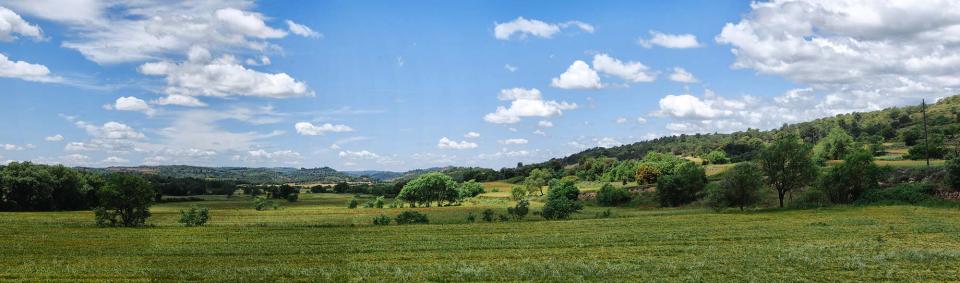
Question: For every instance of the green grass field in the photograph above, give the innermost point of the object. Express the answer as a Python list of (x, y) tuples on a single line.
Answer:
[(318, 239)]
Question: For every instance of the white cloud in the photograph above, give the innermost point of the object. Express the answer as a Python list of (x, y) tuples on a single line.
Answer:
[(689, 106), (641, 120), (131, 103), (54, 138), (446, 143), (525, 103), (261, 156), (247, 23), (669, 40), (621, 120), (523, 27), (629, 71), (545, 124), (75, 159), (510, 68), (78, 146), (540, 133), (12, 25), (25, 71), (70, 11), (577, 76), (681, 75), (181, 100), (10, 147), (308, 129), (114, 160), (863, 55), (607, 142), (513, 141), (222, 77), (363, 154), (471, 135), (302, 30)]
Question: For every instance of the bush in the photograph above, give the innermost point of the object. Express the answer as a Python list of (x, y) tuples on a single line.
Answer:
[(194, 216), (503, 218), (411, 217), (262, 202), (845, 182), (612, 196), (520, 210), (811, 198), (953, 173), (901, 194), (740, 187), (684, 186), (488, 215), (605, 214), (381, 220), (124, 201), (353, 202), (715, 157), (318, 189), (378, 202), (293, 197), (562, 200), (471, 217), (470, 189), (519, 193)]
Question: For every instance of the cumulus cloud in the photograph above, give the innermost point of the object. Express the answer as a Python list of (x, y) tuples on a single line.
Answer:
[(302, 30), (54, 138), (621, 120), (545, 124), (513, 141), (10, 147), (607, 142), (578, 76), (12, 25), (131, 103), (114, 160), (681, 75), (363, 154), (25, 71), (510, 68), (446, 143), (525, 103), (669, 40), (79, 146), (689, 106), (180, 100), (309, 129), (629, 71), (471, 135), (222, 77), (861, 55), (521, 28)]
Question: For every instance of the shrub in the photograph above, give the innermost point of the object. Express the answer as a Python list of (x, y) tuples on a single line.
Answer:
[(519, 193), (684, 186), (124, 201), (740, 187), (647, 173), (612, 196), (561, 200), (470, 189), (520, 210), (381, 220), (318, 189), (262, 202), (411, 217), (953, 172), (845, 182), (488, 215), (715, 157), (293, 197), (194, 216), (503, 218), (901, 194), (811, 198), (605, 214), (471, 217), (378, 202), (353, 202)]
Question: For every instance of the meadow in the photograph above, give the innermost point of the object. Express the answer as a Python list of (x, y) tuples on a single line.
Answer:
[(319, 239)]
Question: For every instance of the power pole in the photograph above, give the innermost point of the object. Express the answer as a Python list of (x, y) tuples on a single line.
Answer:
[(926, 140)]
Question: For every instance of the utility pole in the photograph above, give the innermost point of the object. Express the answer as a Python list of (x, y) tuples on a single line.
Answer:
[(926, 139)]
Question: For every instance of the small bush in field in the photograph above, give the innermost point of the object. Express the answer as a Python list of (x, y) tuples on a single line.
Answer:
[(194, 216), (381, 220), (411, 217), (488, 215), (503, 218), (471, 217), (352, 203), (520, 210)]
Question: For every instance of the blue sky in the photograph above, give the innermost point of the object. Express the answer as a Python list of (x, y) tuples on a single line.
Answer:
[(403, 85)]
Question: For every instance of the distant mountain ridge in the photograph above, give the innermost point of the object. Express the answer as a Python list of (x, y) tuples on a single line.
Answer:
[(275, 175)]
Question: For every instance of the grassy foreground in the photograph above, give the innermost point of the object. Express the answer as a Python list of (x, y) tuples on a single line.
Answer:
[(314, 241)]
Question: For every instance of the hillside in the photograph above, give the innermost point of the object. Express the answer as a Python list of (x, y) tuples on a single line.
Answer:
[(277, 175), (897, 125)]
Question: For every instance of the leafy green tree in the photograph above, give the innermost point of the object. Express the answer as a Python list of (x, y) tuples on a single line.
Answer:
[(623, 172), (608, 195), (934, 148), (953, 173), (787, 164), (341, 188), (353, 202), (381, 220), (647, 173), (519, 192), (537, 179), (469, 189), (846, 182), (26, 187), (430, 187), (124, 201), (740, 187), (195, 216), (716, 157), (562, 200), (520, 210), (835, 146), (685, 185)]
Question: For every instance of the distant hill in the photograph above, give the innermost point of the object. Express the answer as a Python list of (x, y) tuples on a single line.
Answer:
[(375, 175), (277, 175)]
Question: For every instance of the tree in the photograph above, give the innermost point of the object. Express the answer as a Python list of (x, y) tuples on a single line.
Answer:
[(835, 146), (520, 210), (469, 189), (740, 187), (562, 200), (932, 148), (787, 164), (194, 216), (715, 157), (124, 201), (612, 196), (846, 182), (685, 185), (624, 171), (953, 172), (341, 187), (428, 188), (647, 173), (537, 179)]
